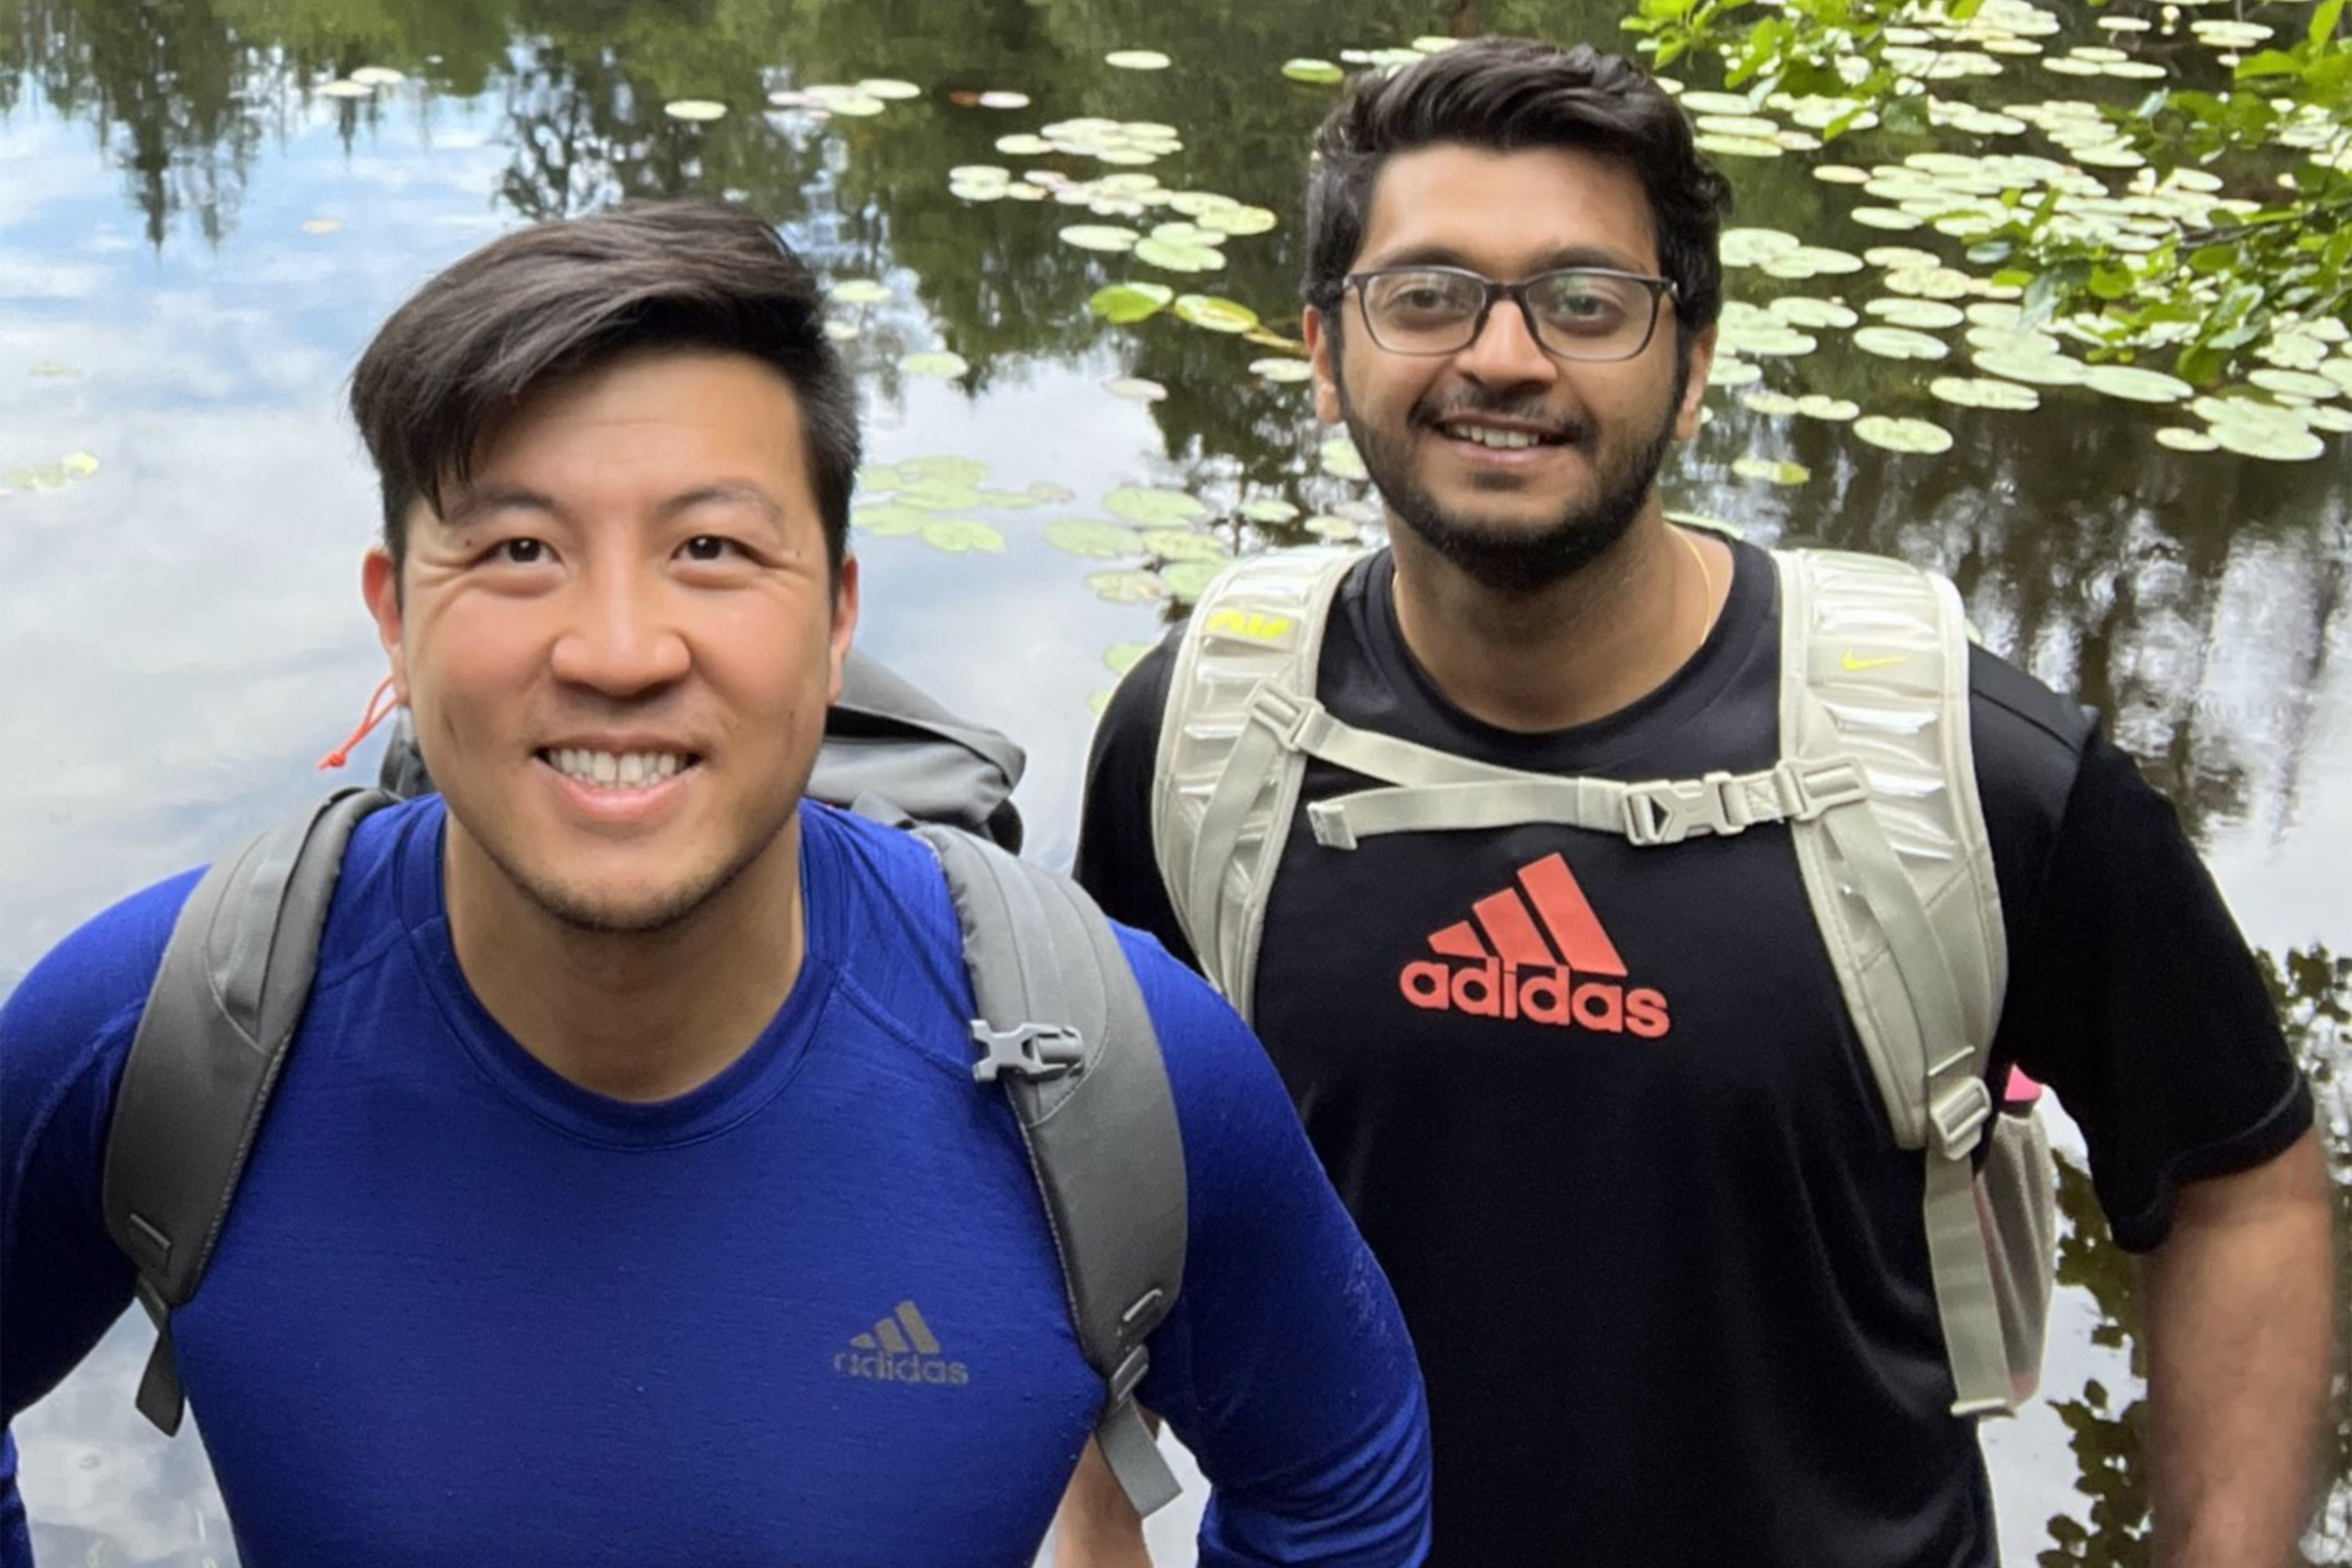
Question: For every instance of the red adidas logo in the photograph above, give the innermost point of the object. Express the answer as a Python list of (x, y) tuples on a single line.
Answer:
[(1535, 950)]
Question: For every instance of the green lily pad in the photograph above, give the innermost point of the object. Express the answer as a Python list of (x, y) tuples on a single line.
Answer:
[(1282, 367), (938, 495), (1215, 314), (1926, 315), (1124, 303), (860, 291), (1329, 525), (1771, 470), (2330, 419), (1137, 59), (1134, 388), (1755, 246), (1820, 405), (2040, 369), (1240, 220), (941, 363), (889, 520), (1342, 461), (1154, 507), (961, 535), (1724, 146), (362, 89), (1889, 218), (378, 76), (1130, 587), (877, 476), (80, 465), (1007, 501), (1002, 98), (1919, 436), (2294, 382), (699, 109), (889, 88), (1268, 509), (1045, 492), (855, 104), (1023, 144), (1900, 342), (2277, 444), (1980, 392), (1187, 234), (2183, 438), (1100, 237), (1200, 203), (1094, 538), (1321, 73), (1765, 401), (1190, 579), (1805, 311), (1122, 657), (1180, 257), (1183, 545), (1812, 261), (1729, 371), (2137, 385)]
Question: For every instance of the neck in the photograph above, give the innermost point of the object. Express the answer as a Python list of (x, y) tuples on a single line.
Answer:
[(1574, 651), (637, 1015)]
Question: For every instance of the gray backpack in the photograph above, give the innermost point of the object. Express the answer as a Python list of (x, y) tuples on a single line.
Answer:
[(1062, 1028), (1876, 784)]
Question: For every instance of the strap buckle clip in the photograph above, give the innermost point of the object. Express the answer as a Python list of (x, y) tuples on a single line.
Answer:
[(1667, 810), (1807, 789), (1956, 1118), (1294, 719), (1030, 1051), (1121, 1383)]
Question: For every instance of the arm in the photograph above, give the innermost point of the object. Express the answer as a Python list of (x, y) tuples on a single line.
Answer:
[(2239, 1328), (1115, 861), (1096, 1527)]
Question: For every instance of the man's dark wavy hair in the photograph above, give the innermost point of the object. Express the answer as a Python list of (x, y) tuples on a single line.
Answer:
[(1516, 95), (456, 363)]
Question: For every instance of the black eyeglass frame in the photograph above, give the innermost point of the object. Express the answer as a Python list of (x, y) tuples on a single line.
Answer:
[(1659, 289)]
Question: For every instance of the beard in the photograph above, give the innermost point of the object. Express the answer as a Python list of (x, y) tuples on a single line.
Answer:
[(1516, 559)]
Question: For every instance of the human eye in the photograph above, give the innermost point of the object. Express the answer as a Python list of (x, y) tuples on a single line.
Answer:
[(1425, 297), (706, 549), (519, 551), (1584, 303)]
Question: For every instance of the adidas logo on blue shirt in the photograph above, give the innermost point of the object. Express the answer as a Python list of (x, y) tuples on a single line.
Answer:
[(901, 1349)]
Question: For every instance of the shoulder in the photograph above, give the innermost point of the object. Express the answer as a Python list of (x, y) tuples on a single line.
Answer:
[(1228, 1096), (96, 979)]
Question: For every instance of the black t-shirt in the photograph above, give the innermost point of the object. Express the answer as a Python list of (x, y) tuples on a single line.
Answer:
[(1661, 1257)]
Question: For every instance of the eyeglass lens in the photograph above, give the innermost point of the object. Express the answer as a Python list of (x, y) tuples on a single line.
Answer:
[(1577, 314)]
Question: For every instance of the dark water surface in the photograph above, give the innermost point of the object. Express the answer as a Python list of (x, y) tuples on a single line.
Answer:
[(195, 242)]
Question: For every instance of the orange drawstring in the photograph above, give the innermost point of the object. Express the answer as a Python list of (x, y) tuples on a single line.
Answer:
[(381, 704)]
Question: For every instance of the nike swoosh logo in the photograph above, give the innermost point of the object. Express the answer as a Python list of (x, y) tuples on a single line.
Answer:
[(1861, 664)]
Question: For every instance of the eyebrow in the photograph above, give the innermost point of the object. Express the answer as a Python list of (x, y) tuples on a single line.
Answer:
[(1551, 261), (726, 492), (477, 504)]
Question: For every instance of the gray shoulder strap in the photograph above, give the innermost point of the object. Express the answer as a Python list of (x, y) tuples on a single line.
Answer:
[(219, 1016), (1063, 1027), (1226, 777)]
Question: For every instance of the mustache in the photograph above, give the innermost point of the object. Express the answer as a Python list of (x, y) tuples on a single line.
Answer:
[(1520, 410)]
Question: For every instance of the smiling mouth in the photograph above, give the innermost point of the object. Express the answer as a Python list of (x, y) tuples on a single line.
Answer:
[(617, 770), (1498, 439)]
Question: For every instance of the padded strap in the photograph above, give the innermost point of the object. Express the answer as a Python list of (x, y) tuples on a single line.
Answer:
[(1063, 1029), (220, 1014)]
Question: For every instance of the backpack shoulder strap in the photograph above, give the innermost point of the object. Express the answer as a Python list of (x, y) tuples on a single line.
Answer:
[(1874, 668), (1227, 773), (219, 1016), (1063, 1029)]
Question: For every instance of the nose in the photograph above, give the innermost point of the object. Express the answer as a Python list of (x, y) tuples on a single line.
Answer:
[(1504, 352), (620, 637)]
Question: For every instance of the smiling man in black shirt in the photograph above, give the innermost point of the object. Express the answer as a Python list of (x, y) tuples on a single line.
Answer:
[(1590, 1078)]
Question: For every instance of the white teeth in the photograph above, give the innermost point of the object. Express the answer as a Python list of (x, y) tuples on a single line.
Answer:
[(1504, 440), (615, 770)]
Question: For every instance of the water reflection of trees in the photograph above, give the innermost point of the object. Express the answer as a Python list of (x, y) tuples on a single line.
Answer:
[(2106, 1429)]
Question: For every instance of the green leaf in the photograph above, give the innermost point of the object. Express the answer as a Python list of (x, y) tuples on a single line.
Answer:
[(1215, 314), (1154, 507), (960, 535), (1095, 539), (1125, 302)]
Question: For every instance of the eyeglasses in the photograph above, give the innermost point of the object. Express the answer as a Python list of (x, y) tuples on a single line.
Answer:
[(1574, 312)]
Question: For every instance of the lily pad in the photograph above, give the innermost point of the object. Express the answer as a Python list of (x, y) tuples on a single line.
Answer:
[(1190, 579), (962, 536), (2137, 385), (1177, 257), (1918, 435), (2294, 382), (700, 110), (1887, 218), (1329, 525), (2276, 443), (1215, 314), (1771, 470), (1239, 219), (80, 465), (1342, 461), (1282, 368), (1122, 657), (1105, 237), (1124, 303), (1130, 587), (1134, 388), (378, 76), (1137, 59), (1183, 545), (1270, 510), (1094, 538), (1806, 310), (1154, 507), (1321, 73), (2041, 368), (349, 89), (942, 471), (1729, 371), (2184, 438), (1927, 315), (1900, 342), (860, 291), (889, 88), (940, 363), (1980, 392), (1755, 246), (1820, 405), (889, 520), (1200, 203), (1765, 401), (1002, 98)]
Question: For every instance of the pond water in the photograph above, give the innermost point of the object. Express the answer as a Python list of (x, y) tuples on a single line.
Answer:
[(202, 216)]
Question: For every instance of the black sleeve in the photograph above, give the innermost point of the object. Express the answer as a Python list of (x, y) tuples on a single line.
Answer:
[(1114, 862), (2132, 994)]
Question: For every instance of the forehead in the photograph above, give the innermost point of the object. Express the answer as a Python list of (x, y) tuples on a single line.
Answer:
[(1508, 213)]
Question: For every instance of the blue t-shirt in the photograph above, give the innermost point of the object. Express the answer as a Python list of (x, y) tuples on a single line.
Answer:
[(809, 1312)]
